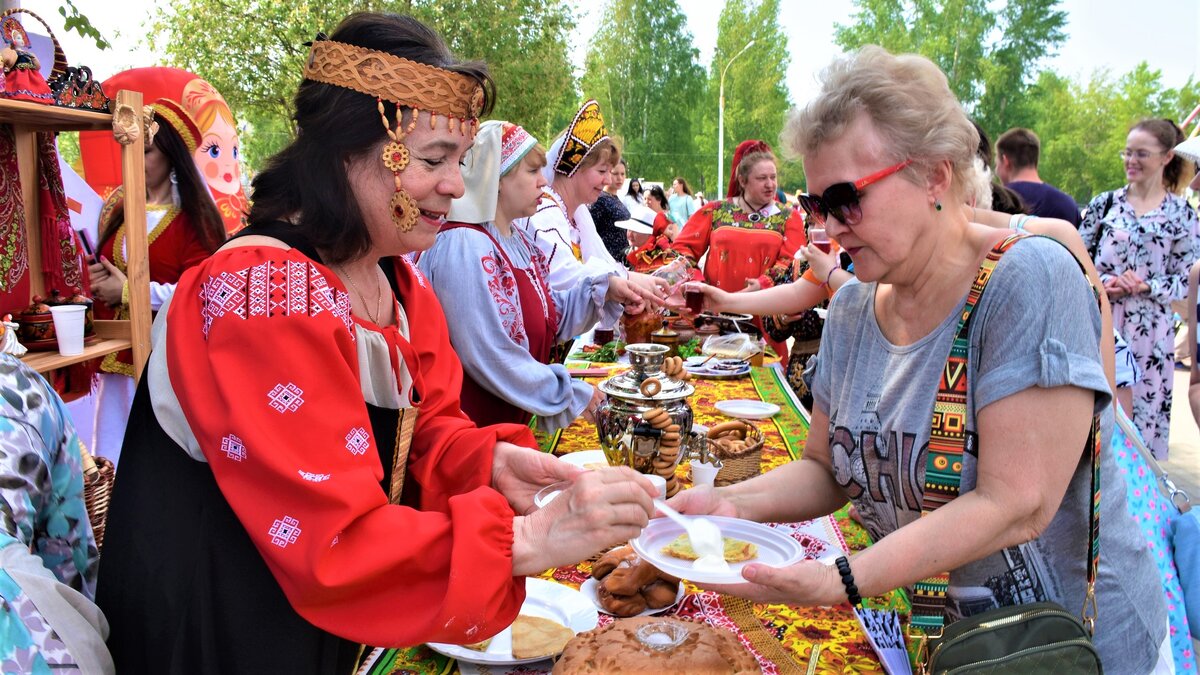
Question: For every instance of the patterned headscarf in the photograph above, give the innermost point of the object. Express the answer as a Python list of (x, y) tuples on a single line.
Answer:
[(499, 146)]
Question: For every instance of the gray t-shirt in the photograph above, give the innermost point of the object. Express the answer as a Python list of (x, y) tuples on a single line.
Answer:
[(1036, 325)]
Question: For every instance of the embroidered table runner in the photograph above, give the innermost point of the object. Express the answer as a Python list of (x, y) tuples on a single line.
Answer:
[(780, 637)]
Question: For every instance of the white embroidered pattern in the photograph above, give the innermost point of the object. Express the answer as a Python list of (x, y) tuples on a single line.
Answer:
[(503, 288), (313, 477), (357, 441), (273, 289), (416, 272), (233, 448), (284, 531), (286, 397)]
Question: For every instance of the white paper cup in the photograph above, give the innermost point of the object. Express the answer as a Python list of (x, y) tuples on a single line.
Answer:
[(660, 484), (703, 474), (68, 328)]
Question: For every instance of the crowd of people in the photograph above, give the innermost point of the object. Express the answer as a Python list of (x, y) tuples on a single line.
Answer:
[(335, 418)]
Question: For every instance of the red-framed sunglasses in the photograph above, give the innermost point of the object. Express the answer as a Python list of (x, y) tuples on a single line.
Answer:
[(844, 200)]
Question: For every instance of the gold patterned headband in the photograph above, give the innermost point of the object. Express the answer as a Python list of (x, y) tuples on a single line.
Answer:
[(399, 80), (408, 84)]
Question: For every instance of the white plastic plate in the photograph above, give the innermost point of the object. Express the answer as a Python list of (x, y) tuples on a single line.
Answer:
[(542, 598), (747, 409), (583, 458), (775, 548)]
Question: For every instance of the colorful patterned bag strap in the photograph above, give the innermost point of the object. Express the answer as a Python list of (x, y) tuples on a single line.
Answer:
[(948, 439)]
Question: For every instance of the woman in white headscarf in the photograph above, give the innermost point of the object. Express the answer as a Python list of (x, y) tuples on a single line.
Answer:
[(493, 279)]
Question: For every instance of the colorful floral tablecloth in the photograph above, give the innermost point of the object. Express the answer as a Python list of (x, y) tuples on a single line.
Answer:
[(781, 637)]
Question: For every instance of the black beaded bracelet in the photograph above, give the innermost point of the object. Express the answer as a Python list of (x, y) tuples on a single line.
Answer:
[(843, 567)]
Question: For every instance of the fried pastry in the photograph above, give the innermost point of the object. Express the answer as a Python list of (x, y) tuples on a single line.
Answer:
[(735, 550), (479, 646), (620, 605), (533, 636), (660, 594), (609, 561), (629, 577)]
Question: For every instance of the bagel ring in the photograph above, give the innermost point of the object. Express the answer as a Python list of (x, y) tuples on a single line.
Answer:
[(650, 388)]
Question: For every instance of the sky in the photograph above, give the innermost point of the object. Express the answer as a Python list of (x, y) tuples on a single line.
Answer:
[(1101, 34)]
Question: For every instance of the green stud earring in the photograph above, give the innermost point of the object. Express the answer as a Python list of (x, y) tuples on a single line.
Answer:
[(937, 205)]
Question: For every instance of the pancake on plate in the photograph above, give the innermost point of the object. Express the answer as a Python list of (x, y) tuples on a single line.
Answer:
[(533, 636), (479, 646), (736, 550)]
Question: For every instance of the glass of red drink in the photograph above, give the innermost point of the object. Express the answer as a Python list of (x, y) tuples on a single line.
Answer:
[(693, 297), (817, 237)]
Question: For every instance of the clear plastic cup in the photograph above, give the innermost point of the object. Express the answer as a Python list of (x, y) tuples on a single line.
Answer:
[(68, 328)]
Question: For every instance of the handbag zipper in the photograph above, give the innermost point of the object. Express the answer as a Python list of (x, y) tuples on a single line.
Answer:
[(997, 623), (1082, 642)]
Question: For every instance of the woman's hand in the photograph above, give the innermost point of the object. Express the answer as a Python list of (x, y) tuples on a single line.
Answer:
[(598, 398), (1132, 283), (652, 290), (751, 286), (602, 508), (620, 290), (703, 501), (518, 473), (108, 282), (820, 262), (807, 583)]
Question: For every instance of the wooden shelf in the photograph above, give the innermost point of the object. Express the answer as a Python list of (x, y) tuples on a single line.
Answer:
[(52, 118), (47, 361)]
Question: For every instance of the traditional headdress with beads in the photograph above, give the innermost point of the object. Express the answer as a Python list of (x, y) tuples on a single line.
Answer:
[(408, 84)]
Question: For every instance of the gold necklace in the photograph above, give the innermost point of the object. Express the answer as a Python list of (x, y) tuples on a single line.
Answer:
[(362, 298)]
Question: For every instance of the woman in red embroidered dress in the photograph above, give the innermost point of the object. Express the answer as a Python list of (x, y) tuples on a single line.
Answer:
[(183, 227), (749, 237), (298, 476)]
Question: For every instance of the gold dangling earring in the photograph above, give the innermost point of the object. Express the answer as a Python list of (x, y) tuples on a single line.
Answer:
[(395, 157)]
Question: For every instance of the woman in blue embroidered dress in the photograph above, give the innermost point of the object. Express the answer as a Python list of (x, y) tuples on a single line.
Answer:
[(483, 268)]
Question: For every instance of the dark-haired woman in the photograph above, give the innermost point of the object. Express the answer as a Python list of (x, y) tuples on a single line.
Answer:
[(299, 476), (656, 199), (183, 228), (1142, 237)]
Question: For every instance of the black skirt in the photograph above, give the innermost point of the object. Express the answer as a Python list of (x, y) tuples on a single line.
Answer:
[(181, 584)]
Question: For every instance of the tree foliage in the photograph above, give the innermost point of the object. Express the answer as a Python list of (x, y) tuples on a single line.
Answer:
[(1083, 125), (642, 69), (253, 52), (74, 20), (756, 95), (990, 56)]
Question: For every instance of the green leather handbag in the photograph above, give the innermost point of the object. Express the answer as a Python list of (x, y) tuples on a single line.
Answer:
[(1032, 638)]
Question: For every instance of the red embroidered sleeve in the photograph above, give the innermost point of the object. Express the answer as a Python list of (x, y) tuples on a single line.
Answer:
[(261, 351), (692, 241), (793, 239)]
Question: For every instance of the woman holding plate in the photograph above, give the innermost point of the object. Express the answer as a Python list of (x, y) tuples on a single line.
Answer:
[(298, 478), (886, 147)]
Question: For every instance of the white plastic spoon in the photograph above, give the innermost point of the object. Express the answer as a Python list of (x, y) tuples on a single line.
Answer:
[(705, 537)]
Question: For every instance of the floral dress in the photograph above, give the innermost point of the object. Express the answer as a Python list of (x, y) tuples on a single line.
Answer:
[(47, 623), (1159, 246)]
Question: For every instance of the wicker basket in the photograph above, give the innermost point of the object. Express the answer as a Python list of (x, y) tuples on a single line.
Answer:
[(98, 477), (745, 464)]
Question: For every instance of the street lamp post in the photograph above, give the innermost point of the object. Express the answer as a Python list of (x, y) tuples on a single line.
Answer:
[(721, 123)]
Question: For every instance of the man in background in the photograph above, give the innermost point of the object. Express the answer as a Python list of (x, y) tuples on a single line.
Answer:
[(1016, 164)]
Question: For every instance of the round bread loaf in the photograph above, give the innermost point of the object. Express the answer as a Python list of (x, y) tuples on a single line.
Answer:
[(649, 644)]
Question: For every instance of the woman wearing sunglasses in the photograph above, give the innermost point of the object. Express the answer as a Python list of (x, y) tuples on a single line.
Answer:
[(888, 151), (1141, 239)]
